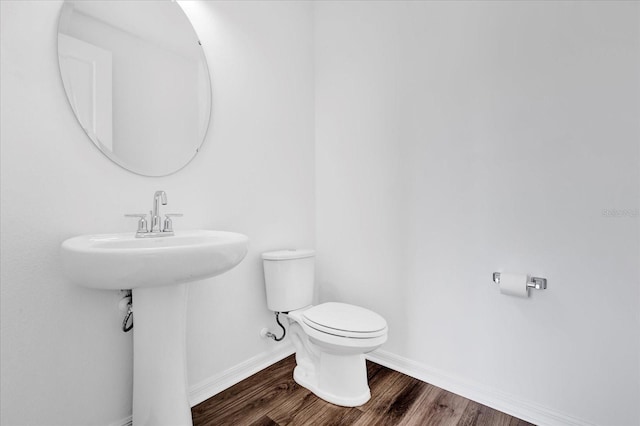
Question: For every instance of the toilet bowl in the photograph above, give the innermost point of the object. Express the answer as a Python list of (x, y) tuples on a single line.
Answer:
[(330, 339)]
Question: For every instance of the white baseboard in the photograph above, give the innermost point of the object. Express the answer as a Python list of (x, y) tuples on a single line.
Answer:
[(221, 381), (522, 409)]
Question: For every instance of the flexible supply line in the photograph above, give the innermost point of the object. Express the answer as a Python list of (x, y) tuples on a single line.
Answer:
[(284, 330)]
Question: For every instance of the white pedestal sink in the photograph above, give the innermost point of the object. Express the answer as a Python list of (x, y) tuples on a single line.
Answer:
[(157, 270)]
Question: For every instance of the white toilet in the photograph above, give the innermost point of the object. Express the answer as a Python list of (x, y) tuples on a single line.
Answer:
[(331, 338)]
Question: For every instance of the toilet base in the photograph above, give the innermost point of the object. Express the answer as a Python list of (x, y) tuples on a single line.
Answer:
[(338, 379)]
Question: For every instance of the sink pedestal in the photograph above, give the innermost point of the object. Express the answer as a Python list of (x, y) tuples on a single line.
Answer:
[(160, 396)]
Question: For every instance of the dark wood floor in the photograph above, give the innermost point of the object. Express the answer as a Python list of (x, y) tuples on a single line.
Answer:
[(272, 398)]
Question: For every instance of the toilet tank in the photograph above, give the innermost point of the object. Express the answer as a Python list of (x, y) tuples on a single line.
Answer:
[(289, 279)]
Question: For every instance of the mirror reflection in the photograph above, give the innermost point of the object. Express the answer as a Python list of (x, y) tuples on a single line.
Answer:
[(137, 80)]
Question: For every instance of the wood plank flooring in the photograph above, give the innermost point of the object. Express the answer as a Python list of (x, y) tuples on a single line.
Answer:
[(272, 398)]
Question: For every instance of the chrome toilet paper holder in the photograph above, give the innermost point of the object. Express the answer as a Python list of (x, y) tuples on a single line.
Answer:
[(536, 283)]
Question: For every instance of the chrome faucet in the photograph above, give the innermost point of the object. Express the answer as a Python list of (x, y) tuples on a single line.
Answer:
[(158, 228), (159, 196)]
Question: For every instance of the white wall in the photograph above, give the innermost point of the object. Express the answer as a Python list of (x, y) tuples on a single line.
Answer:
[(64, 359), (455, 139)]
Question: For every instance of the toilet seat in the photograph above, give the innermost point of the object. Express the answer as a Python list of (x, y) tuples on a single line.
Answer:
[(344, 320)]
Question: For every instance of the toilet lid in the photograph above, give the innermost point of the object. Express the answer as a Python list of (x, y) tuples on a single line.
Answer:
[(345, 320)]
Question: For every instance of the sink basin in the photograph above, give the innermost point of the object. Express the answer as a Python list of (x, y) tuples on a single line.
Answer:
[(121, 261), (157, 270)]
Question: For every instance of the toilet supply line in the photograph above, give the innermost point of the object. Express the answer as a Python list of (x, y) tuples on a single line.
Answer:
[(266, 333)]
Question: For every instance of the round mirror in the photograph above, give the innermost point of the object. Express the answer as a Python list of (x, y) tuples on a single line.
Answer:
[(137, 80)]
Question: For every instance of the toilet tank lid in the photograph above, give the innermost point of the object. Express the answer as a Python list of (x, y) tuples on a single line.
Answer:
[(288, 254)]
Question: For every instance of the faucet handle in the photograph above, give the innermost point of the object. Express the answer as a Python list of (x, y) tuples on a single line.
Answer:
[(168, 223), (142, 221)]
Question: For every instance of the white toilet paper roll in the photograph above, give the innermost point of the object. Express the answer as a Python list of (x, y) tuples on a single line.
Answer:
[(514, 284)]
